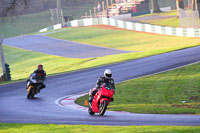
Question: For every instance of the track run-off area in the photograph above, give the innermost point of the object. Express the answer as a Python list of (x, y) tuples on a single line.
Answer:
[(15, 108), (58, 47)]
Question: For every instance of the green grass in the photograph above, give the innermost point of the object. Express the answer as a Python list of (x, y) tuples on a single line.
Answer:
[(126, 40), (0, 67), (159, 94), (32, 128), (169, 13), (25, 24), (171, 22), (23, 62)]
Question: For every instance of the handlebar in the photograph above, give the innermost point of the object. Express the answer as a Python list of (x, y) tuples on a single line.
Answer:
[(35, 81)]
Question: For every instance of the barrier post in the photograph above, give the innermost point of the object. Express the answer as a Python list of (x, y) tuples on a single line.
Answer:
[(107, 4), (103, 7), (91, 13), (95, 12)]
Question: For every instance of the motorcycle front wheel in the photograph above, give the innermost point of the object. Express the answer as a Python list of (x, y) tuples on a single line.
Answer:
[(90, 111), (30, 93), (102, 108)]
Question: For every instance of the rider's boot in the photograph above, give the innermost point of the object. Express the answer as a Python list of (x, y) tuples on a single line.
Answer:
[(112, 99), (90, 99), (40, 89)]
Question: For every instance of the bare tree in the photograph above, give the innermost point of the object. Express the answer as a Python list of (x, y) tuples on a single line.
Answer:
[(13, 7), (196, 5), (155, 6), (19, 7)]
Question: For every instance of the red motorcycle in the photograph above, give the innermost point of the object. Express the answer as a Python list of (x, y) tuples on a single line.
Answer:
[(101, 100)]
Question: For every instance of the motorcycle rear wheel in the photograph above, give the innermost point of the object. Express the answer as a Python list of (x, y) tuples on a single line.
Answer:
[(102, 108)]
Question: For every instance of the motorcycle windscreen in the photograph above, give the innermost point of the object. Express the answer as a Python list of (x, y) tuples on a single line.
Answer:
[(107, 90), (108, 86)]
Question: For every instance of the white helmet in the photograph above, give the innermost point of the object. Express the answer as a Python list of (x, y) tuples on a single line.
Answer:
[(108, 73)]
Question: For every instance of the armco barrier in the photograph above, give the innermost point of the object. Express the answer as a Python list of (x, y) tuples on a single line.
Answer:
[(162, 30)]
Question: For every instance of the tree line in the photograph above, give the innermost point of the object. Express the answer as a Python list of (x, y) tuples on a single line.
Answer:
[(19, 7)]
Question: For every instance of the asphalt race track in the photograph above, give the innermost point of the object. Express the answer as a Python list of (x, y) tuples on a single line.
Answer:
[(52, 46), (15, 108)]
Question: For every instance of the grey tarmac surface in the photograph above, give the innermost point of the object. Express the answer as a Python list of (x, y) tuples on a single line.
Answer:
[(52, 46), (15, 108)]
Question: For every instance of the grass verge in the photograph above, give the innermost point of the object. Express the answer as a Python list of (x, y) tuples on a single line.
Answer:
[(112, 37), (171, 22), (32, 128), (159, 94), (23, 62), (25, 24), (169, 19)]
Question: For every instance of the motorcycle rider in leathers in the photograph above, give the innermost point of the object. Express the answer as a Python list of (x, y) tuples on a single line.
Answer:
[(107, 78), (39, 74)]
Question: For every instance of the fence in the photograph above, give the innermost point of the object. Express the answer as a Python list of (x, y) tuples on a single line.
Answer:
[(189, 14), (162, 30)]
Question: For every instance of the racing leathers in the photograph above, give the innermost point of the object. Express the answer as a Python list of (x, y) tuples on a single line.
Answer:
[(99, 84), (39, 76)]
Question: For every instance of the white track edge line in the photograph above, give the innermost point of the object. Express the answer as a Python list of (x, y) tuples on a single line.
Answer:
[(58, 100)]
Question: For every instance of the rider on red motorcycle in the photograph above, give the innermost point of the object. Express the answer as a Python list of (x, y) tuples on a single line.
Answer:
[(107, 78)]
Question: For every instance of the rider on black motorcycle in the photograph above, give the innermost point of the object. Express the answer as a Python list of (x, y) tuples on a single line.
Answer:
[(107, 78), (38, 75)]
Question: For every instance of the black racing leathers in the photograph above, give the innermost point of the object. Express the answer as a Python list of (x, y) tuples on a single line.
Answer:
[(99, 84), (103, 80), (41, 73), (41, 76)]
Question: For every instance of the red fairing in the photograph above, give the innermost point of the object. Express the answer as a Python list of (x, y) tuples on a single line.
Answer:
[(106, 92), (102, 95)]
